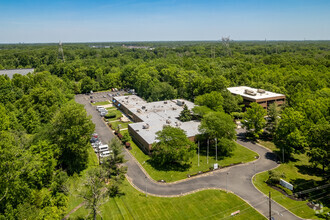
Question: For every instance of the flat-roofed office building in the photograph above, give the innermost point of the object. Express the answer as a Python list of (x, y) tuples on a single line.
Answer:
[(260, 96), (150, 117), (10, 73)]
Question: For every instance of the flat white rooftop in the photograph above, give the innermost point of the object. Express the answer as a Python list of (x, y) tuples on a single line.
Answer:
[(156, 115), (241, 90), (10, 73)]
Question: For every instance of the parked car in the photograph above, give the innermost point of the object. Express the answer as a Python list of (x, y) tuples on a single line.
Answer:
[(92, 101), (94, 139), (96, 144), (105, 154), (95, 135), (103, 148), (98, 108)]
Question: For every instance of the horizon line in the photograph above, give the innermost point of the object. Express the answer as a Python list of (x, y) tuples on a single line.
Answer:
[(154, 41)]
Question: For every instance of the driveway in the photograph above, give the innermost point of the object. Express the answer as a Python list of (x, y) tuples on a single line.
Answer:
[(236, 179)]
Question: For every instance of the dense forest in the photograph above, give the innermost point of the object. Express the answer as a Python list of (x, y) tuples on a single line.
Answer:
[(44, 133)]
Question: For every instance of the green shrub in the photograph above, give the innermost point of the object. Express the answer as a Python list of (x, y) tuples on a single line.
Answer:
[(110, 115), (126, 138), (274, 177), (289, 192)]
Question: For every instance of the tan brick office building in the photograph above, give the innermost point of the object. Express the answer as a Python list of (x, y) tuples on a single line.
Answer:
[(260, 96)]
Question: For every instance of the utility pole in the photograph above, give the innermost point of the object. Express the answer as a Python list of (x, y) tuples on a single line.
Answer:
[(198, 153), (146, 186), (270, 206), (227, 182)]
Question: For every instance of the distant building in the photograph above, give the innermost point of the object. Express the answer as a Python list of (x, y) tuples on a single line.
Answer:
[(260, 96), (10, 73), (137, 47), (150, 117)]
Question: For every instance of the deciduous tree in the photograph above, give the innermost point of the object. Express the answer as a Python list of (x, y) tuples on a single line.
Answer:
[(254, 120), (173, 147)]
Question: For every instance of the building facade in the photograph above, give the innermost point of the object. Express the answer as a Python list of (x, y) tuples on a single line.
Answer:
[(260, 96)]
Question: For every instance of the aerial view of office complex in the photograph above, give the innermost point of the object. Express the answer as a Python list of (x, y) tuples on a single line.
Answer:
[(154, 109)]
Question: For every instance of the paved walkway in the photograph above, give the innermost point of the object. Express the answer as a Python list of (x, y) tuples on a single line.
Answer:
[(236, 179)]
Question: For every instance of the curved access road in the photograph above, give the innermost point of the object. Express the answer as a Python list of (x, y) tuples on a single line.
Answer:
[(236, 179)]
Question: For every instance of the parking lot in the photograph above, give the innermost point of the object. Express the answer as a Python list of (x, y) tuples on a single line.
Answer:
[(102, 96)]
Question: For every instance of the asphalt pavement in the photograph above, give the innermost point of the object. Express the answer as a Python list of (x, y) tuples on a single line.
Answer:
[(236, 179)]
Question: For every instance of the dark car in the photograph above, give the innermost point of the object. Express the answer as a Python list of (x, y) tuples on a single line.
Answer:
[(94, 139)]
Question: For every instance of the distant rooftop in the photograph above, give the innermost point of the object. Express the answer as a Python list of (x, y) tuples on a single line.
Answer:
[(253, 93), (10, 73), (156, 115)]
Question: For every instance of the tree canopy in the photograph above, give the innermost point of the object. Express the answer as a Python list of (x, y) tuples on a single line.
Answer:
[(173, 147), (254, 120)]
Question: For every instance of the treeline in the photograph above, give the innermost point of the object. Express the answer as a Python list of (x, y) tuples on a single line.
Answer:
[(37, 113), (44, 138)]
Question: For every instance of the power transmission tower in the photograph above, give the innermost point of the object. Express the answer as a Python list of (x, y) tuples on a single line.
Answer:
[(212, 52), (60, 52), (225, 42)]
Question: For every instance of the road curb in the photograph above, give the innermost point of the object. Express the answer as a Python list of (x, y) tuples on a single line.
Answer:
[(264, 193)]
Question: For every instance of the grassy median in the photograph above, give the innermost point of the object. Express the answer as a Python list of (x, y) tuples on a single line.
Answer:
[(240, 154)]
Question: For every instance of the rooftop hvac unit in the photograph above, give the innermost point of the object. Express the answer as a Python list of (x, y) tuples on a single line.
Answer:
[(165, 102), (179, 102), (139, 110), (143, 107), (168, 121), (126, 97), (250, 92), (145, 126), (261, 91)]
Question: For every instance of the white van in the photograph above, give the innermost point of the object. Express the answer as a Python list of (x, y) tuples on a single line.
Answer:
[(100, 108), (105, 154), (103, 148)]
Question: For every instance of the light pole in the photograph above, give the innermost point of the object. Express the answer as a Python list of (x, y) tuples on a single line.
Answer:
[(207, 156), (146, 186), (198, 153), (227, 182), (216, 149)]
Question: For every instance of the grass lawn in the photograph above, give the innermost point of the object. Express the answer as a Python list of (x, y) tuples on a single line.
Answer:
[(118, 114), (298, 173), (240, 154), (207, 204), (111, 108), (123, 124), (102, 103)]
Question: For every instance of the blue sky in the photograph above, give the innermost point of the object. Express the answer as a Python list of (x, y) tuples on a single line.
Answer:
[(32, 21)]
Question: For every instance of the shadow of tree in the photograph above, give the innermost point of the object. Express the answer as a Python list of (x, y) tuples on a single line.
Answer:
[(310, 170), (316, 194), (169, 166)]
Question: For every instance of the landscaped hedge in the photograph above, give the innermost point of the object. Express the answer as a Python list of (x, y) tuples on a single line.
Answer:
[(110, 115)]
